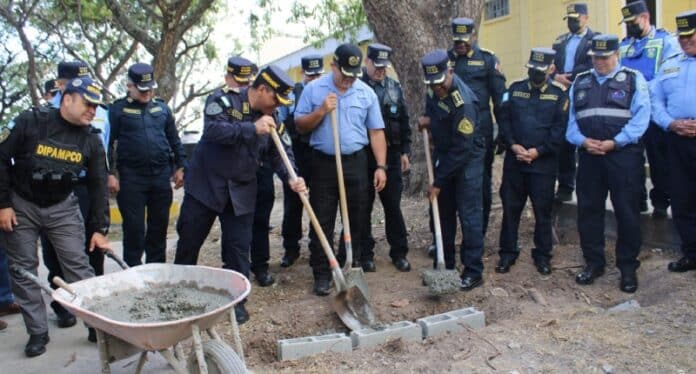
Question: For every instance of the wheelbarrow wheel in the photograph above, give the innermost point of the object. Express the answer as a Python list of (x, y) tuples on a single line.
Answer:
[(219, 358)]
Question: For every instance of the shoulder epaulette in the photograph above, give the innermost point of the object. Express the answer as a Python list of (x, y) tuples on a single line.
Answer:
[(583, 73), (161, 100), (521, 80), (562, 87), (487, 51), (634, 71)]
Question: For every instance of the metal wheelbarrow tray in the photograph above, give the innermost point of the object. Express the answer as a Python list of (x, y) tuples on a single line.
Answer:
[(133, 338)]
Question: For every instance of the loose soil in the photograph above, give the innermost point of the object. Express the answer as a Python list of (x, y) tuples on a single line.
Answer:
[(535, 323)]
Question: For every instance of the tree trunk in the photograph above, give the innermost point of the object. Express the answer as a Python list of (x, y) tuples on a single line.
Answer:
[(412, 29)]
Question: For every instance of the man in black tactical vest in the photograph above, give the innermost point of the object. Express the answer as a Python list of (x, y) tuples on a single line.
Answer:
[(53, 151)]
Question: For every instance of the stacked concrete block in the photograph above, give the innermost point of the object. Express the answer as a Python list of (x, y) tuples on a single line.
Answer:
[(452, 322), (293, 349)]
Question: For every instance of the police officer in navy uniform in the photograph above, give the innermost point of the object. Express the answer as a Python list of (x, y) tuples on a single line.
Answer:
[(360, 128), (398, 135), (644, 49), (221, 177), (532, 122), (480, 69), (609, 112), (571, 59), (313, 68), (44, 153), (451, 111), (673, 97), (239, 73), (50, 90), (146, 141)]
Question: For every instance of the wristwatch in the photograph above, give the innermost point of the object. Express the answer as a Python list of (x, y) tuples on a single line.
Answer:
[(383, 167)]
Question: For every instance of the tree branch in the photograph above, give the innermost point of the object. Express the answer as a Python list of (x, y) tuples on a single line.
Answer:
[(134, 31)]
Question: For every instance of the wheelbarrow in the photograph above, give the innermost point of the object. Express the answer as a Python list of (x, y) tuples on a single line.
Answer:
[(118, 340)]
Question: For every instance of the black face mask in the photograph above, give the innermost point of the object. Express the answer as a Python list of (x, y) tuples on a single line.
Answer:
[(535, 76), (573, 25), (634, 30)]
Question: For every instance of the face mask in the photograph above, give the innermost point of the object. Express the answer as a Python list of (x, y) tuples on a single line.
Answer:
[(634, 30), (535, 76), (573, 25)]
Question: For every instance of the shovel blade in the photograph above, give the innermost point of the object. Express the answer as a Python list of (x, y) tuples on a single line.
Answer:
[(354, 309), (355, 277)]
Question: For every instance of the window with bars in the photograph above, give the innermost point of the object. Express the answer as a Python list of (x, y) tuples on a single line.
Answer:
[(497, 8)]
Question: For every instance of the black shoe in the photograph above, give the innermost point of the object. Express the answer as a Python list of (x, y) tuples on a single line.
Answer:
[(684, 264), (629, 281), (543, 266), (368, 266), (264, 278), (588, 275), (469, 282), (504, 265), (241, 314), (322, 287), (643, 206), (431, 250), (563, 196), (91, 335), (65, 318), (401, 264), (659, 213), (36, 345), (288, 259)]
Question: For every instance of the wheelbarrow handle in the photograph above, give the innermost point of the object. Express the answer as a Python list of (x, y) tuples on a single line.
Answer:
[(26, 274), (58, 281), (110, 254)]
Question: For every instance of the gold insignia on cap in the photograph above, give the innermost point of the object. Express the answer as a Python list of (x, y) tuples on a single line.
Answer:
[(570, 8), (93, 89), (538, 56), (600, 44), (682, 23), (146, 77), (314, 63), (383, 55), (432, 69), (245, 70), (83, 71), (626, 12), (270, 80), (353, 61), (462, 29)]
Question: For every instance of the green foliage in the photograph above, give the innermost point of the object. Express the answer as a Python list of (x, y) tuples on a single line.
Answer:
[(332, 19)]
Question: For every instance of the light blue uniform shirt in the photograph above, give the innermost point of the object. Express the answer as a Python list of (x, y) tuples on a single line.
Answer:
[(648, 53), (636, 125), (100, 121), (673, 91), (358, 112), (571, 49)]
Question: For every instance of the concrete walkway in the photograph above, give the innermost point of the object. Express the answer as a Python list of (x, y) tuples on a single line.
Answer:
[(69, 351)]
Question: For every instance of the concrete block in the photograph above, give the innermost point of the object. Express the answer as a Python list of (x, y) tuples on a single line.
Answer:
[(369, 337), (452, 321), (293, 349)]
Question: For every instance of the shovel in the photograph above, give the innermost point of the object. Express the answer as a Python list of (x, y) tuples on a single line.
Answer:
[(350, 303), (354, 276), (439, 281)]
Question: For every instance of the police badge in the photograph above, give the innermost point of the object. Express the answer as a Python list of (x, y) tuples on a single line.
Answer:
[(620, 77)]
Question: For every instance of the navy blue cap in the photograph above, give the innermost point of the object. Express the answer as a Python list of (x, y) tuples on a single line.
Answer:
[(278, 80), (575, 10), (686, 23), (379, 54), (633, 10), (50, 86), (72, 69), (240, 68), (348, 57), (604, 45), (143, 77), (312, 64), (541, 58), (462, 28), (435, 65), (87, 88)]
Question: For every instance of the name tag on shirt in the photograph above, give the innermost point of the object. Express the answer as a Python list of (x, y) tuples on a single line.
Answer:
[(548, 97), (524, 95), (475, 62)]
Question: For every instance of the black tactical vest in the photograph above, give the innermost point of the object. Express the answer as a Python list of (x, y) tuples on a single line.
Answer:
[(603, 110), (388, 96)]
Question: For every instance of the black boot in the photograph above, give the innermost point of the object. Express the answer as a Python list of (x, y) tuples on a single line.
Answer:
[(36, 345), (65, 318)]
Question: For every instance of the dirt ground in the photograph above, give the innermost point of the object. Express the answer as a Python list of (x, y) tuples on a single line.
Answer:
[(568, 330)]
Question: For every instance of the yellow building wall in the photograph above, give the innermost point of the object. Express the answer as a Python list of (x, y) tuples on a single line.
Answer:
[(670, 8)]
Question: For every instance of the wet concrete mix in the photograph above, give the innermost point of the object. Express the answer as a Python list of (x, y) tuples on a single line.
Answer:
[(158, 303)]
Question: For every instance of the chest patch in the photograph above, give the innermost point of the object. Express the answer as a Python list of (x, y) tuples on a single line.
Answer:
[(475, 62), (155, 109), (59, 153), (131, 111), (524, 95), (548, 97)]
